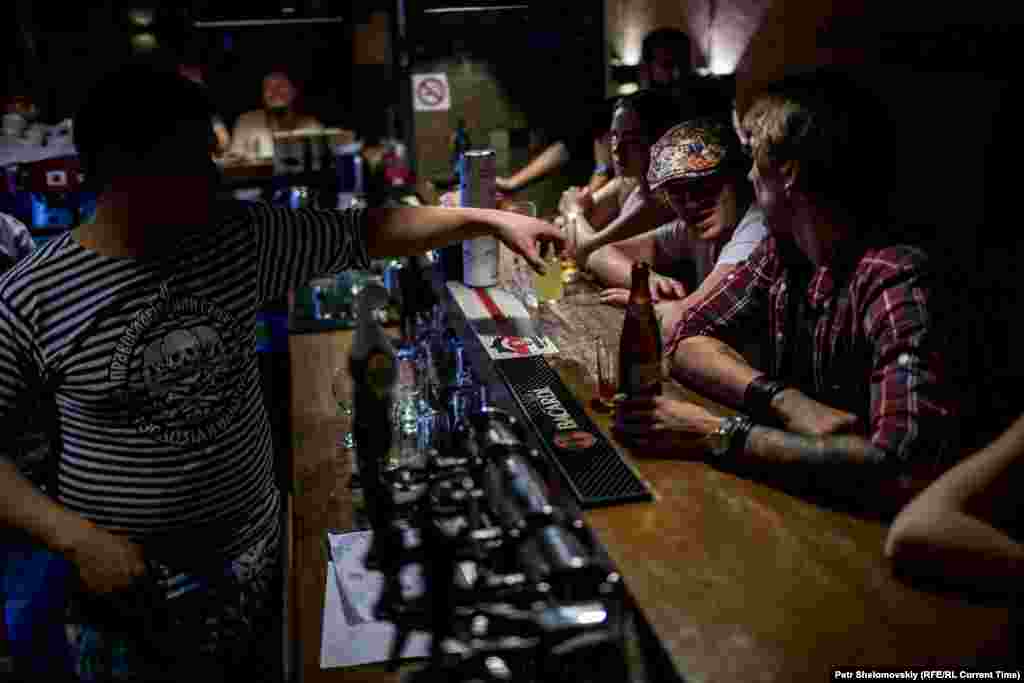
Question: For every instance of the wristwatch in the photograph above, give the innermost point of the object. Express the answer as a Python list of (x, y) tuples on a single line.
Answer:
[(723, 440)]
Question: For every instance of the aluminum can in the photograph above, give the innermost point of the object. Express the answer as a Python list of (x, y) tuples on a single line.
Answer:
[(477, 190)]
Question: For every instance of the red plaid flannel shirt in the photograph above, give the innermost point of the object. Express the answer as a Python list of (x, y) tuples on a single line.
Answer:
[(876, 352)]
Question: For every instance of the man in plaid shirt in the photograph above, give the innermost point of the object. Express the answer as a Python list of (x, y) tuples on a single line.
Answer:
[(856, 380)]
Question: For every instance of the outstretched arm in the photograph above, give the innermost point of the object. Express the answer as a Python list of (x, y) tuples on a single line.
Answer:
[(407, 231), (958, 528), (643, 216), (544, 163)]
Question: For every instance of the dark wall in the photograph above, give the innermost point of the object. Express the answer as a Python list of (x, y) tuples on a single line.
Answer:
[(524, 77)]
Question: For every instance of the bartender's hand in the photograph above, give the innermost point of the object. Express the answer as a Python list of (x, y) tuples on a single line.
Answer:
[(523, 235), (662, 289), (106, 562), (802, 414), (660, 422)]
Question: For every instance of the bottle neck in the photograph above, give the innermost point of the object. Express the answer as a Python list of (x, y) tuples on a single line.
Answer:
[(640, 289)]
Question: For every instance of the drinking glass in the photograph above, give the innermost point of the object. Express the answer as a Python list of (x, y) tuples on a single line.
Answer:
[(432, 433), (607, 373), (570, 271), (521, 280), (549, 286), (522, 283), (404, 433)]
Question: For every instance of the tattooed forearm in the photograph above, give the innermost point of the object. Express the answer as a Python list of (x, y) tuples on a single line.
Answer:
[(702, 345), (772, 445), (712, 367)]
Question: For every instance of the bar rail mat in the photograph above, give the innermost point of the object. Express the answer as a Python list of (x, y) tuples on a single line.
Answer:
[(593, 469)]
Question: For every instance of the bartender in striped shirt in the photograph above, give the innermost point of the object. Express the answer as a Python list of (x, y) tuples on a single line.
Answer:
[(141, 326), (857, 380)]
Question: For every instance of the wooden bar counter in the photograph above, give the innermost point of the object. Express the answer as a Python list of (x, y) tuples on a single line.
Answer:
[(738, 580)]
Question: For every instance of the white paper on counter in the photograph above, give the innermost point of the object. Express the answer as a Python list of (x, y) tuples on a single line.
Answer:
[(501, 322), (351, 636)]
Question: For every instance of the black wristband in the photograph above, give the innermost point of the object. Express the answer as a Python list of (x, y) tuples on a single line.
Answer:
[(757, 398)]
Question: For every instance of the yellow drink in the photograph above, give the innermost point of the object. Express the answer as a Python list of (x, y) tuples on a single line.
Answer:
[(569, 270), (549, 286)]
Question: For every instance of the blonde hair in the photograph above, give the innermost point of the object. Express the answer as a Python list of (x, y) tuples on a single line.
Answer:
[(769, 123), (825, 122)]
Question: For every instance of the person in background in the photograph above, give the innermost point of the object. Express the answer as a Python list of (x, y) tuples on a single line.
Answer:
[(253, 135), (625, 204), (646, 111), (856, 391), (665, 65), (665, 60), (965, 529), (574, 142), (221, 138), (15, 241), (699, 170), (165, 490)]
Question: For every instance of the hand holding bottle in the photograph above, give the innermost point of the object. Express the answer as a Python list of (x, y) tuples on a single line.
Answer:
[(661, 422)]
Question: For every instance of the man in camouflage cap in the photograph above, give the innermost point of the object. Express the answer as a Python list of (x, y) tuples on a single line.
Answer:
[(697, 168)]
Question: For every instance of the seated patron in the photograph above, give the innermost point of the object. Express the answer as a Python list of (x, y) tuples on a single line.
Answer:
[(855, 388), (625, 206), (964, 530), (253, 136), (699, 170)]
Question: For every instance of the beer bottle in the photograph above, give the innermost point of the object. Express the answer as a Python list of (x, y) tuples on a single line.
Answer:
[(640, 344)]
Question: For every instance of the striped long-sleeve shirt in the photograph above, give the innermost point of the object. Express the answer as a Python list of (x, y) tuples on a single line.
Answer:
[(872, 344), (152, 363)]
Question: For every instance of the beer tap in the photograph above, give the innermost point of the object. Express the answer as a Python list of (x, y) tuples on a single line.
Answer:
[(514, 586)]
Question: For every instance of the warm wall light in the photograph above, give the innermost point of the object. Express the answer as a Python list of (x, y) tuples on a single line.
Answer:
[(631, 42), (628, 88), (721, 63)]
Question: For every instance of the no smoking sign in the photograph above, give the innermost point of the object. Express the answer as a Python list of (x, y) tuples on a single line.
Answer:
[(430, 92)]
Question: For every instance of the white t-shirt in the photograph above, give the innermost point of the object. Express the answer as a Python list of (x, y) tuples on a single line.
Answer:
[(165, 434), (672, 243), (253, 138)]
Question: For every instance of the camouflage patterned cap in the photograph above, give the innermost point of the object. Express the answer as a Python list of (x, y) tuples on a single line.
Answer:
[(693, 149)]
